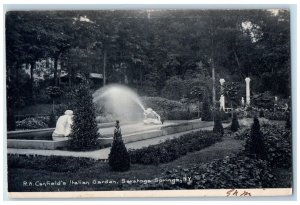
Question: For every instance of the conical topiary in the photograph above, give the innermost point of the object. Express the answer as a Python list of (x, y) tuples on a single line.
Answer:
[(84, 135), (255, 144), (235, 123), (118, 159), (218, 127)]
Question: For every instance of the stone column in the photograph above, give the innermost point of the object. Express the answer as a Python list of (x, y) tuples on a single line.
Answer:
[(222, 98), (247, 91)]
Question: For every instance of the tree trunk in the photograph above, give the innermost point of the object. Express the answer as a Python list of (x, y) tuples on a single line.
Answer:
[(238, 64), (198, 108), (141, 76), (55, 82), (104, 66), (70, 76), (32, 66), (213, 82)]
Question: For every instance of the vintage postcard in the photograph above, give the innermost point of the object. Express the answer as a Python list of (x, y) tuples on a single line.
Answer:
[(149, 103)]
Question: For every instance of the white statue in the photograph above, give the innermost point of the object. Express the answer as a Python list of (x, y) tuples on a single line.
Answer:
[(63, 126), (151, 117)]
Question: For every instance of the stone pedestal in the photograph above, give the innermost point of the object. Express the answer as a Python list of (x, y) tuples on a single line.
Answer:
[(247, 91)]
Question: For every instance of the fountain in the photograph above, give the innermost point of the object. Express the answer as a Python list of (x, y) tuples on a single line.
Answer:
[(139, 123), (124, 104)]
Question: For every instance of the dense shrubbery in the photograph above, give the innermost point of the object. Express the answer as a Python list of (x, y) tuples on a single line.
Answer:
[(169, 109), (162, 104), (49, 163), (31, 123), (180, 115), (218, 127), (242, 134), (230, 172), (173, 149), (278, 145), (206, 112), (52, 120), (276, 115)]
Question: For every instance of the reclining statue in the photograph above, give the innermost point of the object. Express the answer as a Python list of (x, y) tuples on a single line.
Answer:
[(151, 117), (63, 126)]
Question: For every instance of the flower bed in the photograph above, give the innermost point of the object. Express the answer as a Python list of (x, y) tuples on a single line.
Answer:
[(173, 149), (32, 123), (231, 172)]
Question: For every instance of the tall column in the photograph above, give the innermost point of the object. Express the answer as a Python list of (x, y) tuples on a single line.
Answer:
[(222, 98), (247, 91)]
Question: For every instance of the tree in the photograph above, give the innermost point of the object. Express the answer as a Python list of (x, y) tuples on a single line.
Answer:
[(218, 127), (54, 92), (255, 144), (206, 112), (84, 133), (197, 93), (235, 123), (118, 159)]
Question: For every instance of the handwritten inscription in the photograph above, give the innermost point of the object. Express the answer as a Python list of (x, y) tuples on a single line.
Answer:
[(235, 192)]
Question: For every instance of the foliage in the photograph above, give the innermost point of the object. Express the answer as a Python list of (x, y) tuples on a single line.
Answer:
[(263, 100), (234, 123), (231, 92), (145, 50), (84, 133), (172, 149), (159, 103), (119, 159), (218, 127), (230, 172), (255, 144), (180, 115), (277, 115), (54, 91), (31, 123), (242, 134), (278, 145), (288, 123), (52, 120), (206, 112), (49, 163)]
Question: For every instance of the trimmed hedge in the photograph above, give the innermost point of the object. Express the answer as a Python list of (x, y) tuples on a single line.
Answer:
[(173, 149), (49, 163)]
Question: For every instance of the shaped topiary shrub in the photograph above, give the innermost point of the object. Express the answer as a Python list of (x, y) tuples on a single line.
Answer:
[(84, 135), (218, 127), (118, 159), (235, 123), (255, 144)]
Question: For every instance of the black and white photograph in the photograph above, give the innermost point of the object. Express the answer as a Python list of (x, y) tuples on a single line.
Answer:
[(149, 100)]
